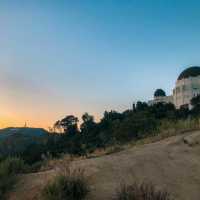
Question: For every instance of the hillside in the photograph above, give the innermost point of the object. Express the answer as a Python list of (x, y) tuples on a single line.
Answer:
[(14, 141), (173, 163), (7, 132)]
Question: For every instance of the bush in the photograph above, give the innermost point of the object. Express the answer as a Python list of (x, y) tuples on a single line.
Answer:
[(8, 170), (68, 186), (144, 191), (12, 166)]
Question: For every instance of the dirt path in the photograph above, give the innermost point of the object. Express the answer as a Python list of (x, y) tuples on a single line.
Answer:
[(173, 163)]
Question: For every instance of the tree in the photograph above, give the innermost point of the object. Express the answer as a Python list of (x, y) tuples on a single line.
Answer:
[(57, 127), (182, 112), (69, 124), (111, 116), (89, 132), (87, 120), (140, 106), (163, 110), (195, 101)]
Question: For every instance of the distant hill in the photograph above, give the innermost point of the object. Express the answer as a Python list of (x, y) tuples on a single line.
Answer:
[(12, 131), (16, 141)]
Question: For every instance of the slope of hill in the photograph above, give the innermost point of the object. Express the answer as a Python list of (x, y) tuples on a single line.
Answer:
[(7, 132), (173, 164), (13, 141)]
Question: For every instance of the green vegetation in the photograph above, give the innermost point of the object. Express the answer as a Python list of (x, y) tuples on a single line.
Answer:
[(68, 186), (27, 143), (145, 191), (9, 168), (113, 130), (116, 129)]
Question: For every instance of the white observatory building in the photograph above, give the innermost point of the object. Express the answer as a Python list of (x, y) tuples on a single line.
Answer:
[(187, 86)]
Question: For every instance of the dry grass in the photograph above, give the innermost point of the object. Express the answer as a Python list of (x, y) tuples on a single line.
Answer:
[(144, 191), (168, 129), (9, 168), (68, 185)]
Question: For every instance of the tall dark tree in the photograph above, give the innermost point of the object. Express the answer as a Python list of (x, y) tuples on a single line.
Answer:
[(69, 124), (87, 119), (195, 102), (89, 132)]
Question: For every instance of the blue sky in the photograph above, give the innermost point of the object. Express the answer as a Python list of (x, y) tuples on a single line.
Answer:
[(67, 57)]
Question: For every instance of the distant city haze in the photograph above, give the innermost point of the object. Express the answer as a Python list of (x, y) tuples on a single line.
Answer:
[(69, 57)]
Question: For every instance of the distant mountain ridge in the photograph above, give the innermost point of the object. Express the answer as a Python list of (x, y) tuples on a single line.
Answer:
[(12, 131)]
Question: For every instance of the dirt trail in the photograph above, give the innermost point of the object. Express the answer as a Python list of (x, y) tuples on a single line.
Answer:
[(173, 164)]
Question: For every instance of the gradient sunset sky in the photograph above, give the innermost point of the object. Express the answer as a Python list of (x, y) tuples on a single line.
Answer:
[(68, 57)]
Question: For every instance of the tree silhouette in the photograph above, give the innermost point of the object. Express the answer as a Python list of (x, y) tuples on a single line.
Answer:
[(69, 124)]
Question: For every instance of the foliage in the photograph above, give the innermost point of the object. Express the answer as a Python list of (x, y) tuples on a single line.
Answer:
[(27, 143), (113, 129), (72, 185), (195, 100), (12, 166), (8, 170), (68, 124), (144, 191)]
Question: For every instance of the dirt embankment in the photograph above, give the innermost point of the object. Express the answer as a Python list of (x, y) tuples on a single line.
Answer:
[(173, 164)]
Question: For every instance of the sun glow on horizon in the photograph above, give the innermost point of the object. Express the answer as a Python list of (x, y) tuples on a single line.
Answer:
[(14, 121)]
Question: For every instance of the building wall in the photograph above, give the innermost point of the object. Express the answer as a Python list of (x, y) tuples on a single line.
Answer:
[(185, 90), (164, 99)]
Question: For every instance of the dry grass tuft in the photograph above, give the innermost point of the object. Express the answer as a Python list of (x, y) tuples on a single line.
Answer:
[(68, 185), (144, 191)]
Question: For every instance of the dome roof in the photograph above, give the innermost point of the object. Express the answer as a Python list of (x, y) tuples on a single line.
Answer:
[(190, 72), (159, 93)]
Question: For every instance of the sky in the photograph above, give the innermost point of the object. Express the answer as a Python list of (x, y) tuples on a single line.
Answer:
[(72, 56)]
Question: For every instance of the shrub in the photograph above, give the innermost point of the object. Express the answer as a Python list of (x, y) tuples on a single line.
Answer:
[(8, 170), (144, 191), (72, 185), (12, 166)]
